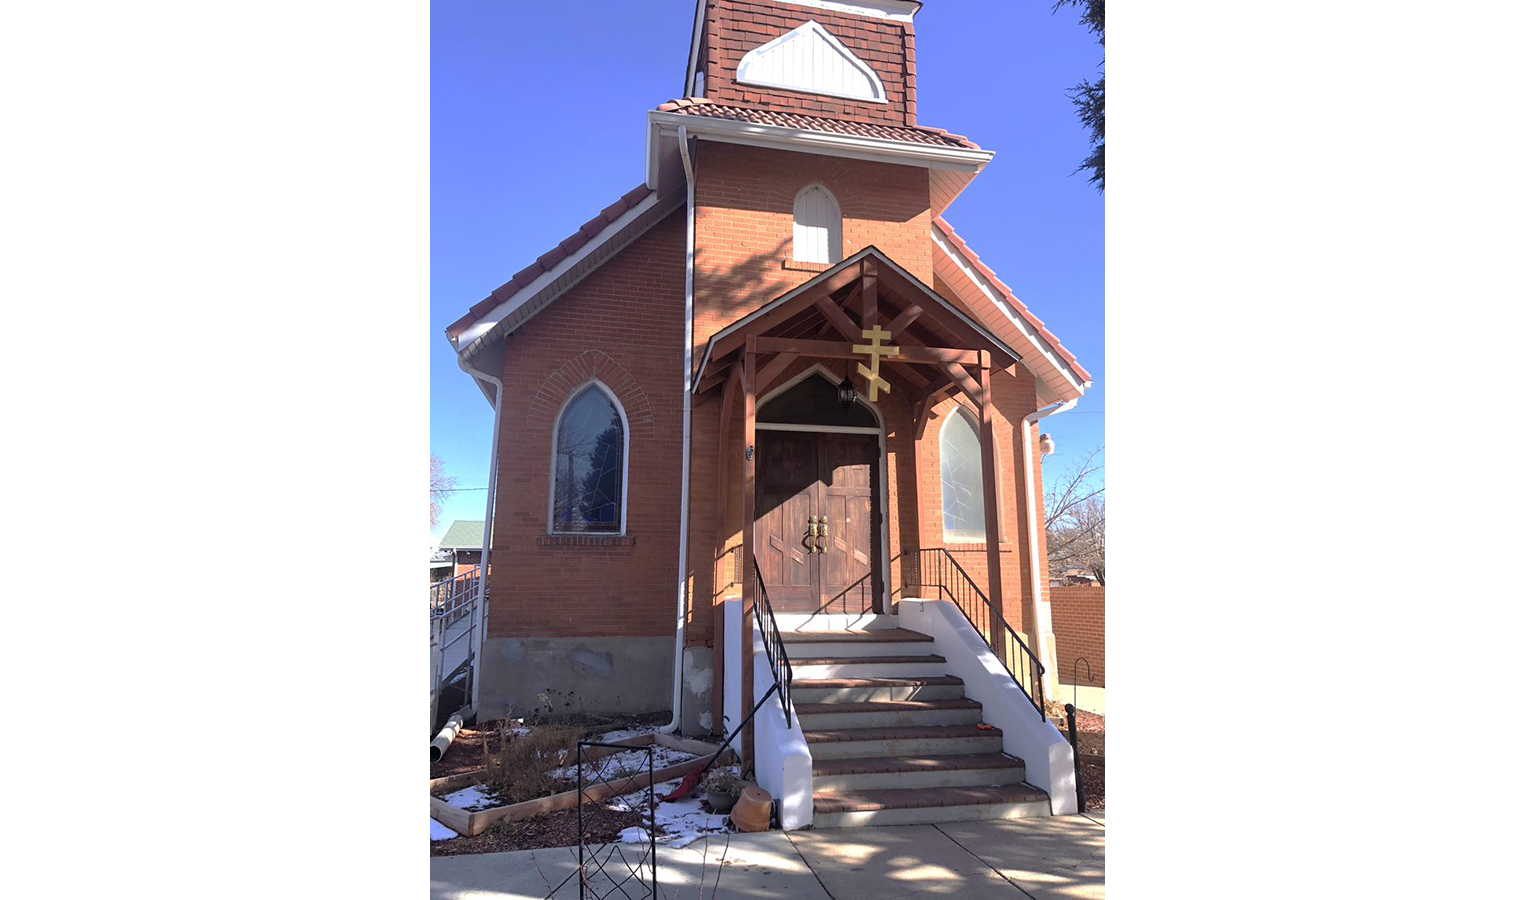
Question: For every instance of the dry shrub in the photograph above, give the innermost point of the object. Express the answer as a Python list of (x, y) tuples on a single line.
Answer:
[(518, 768)]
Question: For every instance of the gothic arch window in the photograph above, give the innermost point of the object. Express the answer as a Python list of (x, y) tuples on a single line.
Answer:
[(960, 477), (818, 226), (589, 467)]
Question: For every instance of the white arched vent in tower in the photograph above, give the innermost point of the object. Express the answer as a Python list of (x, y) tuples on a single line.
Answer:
[(818, 226), (811, 59)]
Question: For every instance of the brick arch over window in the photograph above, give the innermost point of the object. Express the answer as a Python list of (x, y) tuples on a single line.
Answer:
[(592, 365)]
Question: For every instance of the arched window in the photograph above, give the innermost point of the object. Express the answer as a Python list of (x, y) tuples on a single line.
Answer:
[(960, 475), (818, 226), (591, 459)]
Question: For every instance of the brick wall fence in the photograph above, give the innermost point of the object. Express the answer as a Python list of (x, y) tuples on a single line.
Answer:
[(1077, 618)]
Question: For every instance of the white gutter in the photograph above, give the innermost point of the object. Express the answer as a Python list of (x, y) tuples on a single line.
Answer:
[(682, 532), (1042, 616), (485, 537)]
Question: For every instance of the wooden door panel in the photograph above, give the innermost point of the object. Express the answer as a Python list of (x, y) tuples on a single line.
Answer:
[(849, 581), (786, 498)]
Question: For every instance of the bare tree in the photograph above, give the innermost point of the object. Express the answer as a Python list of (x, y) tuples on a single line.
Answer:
[(1074, 519), (442, 486)]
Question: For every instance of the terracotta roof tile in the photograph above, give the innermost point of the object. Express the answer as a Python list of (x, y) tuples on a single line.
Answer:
[(568, 247), (1007, 292), (913, 134)]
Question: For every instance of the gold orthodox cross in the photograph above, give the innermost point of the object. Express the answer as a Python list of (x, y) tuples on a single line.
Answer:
[(875, 349)]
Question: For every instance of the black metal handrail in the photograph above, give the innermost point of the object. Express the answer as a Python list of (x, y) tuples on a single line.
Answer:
[(773, 642), (936, 567)]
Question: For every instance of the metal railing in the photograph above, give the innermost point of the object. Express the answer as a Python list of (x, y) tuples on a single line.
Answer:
[(450, 598), (936, 567), (773, 642)]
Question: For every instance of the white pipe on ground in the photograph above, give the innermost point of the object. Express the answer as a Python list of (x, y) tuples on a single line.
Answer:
[(446, 736), (682, 533)]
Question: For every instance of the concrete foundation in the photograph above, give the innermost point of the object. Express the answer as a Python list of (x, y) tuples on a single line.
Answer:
[(698, 690), (558, 676)]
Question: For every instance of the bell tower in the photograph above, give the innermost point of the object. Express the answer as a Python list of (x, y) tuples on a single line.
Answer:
[(842, 59)]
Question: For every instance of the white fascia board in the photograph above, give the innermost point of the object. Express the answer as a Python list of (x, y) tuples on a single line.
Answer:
[(1029, 331), (693, 50), (890, 10), (907, 153), (468, 337)]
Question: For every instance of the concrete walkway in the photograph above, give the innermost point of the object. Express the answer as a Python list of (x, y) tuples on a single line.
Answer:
[(1043, 858)]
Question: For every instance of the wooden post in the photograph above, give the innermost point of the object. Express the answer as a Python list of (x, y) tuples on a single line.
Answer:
[(727, 401), (869, 308), (989, 503), (748, 521)]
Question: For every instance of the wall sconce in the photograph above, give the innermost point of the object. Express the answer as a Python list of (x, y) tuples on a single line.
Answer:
[(1047, 446), (750, 448)]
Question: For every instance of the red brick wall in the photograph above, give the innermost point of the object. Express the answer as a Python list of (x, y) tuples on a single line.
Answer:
[(622, 324), (732, 28), (1077, 618), (465, 561), (745, 224)]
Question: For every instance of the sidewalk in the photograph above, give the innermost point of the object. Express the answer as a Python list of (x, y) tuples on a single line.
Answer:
[(1044, 858)]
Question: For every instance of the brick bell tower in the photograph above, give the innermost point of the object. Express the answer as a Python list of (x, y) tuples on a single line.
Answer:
[(853, 60)]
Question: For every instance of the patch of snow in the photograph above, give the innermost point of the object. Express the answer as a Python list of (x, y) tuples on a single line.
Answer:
[(441, 832), (678, 823), (620, 764), (626, 733), (473, 798), (634, 835)]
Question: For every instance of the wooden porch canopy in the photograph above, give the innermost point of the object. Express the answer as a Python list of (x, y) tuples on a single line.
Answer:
[(927, 346)]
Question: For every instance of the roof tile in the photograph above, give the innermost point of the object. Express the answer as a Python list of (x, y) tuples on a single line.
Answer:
[(1015, 302), (756, 115)]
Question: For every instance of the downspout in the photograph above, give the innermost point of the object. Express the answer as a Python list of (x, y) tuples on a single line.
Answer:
[(682, 532), (1041, 619), (485, 537)]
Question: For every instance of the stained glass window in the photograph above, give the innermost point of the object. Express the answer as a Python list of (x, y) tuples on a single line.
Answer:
[(960, 474), (589, 465)]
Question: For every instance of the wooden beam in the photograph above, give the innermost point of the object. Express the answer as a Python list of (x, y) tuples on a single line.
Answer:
[(964, 381), (748, 536), (990, 506), (906, 353), (775, 368), (839, 319), (909, 292), (907, 317), (870, 291)]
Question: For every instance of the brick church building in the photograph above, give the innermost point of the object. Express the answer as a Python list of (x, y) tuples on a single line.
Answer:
[(774, 356)]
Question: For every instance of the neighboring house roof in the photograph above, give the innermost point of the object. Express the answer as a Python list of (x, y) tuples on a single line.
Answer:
[(756, 115), (464, 533), (979, 286)]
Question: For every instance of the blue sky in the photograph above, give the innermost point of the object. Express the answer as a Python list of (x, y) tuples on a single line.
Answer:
[(538, 122)]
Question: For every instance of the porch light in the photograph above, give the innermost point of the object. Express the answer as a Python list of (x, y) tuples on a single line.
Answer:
[(847, 394), (1047, 446)]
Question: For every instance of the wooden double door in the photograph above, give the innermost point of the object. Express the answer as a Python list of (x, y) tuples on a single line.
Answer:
[(818, 520)]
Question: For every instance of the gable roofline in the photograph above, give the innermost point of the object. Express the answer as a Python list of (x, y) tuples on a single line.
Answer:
[(555, 272), (1053, 361), (787, 296)]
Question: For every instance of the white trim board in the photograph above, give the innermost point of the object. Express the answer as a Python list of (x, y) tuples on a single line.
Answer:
[(891, 10)]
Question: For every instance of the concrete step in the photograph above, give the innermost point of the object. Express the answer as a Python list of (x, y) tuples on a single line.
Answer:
[(875, 773), (860, 690), (893, 665), (857, 642), (789, 622), (917, 806), (881, 713), (929, 740)]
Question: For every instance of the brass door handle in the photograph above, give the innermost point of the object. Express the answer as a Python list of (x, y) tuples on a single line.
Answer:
[(823, 532)]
